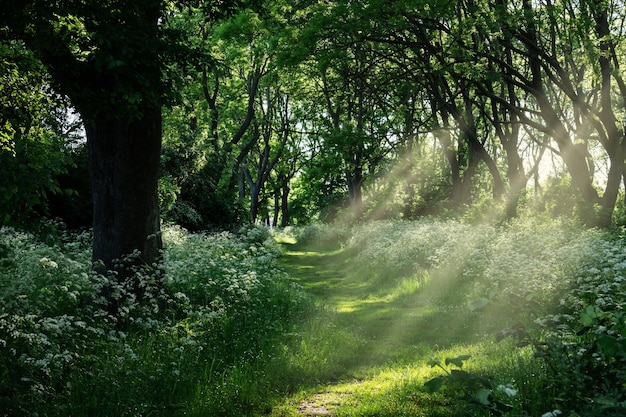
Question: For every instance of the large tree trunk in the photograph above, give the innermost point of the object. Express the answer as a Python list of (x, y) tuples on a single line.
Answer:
[(443, 135), (124, 157), (254, 201), (615, 138)]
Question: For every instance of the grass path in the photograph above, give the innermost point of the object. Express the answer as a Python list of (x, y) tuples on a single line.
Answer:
[(382, 335)]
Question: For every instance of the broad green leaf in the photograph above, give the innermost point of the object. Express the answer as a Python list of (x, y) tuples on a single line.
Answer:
[(606, 401), (588, 316), (482, 396), (608, 344), (462, 375), (432, 362), (458, 361), (434, 384)]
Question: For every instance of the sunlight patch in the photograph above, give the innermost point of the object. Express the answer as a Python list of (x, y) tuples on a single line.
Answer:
[(320, 404)]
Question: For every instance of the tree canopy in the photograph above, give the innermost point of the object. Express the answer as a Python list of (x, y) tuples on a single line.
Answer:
[(291, 111)]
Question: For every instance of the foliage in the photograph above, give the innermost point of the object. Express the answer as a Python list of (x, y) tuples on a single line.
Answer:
[(185, 345), (585, 344), (39, 133), (482, 260), (567, 279), (477, 390), (323, 234), (215, 329)]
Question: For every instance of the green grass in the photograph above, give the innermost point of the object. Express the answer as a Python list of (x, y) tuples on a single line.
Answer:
[(389, 329), (351, 323)]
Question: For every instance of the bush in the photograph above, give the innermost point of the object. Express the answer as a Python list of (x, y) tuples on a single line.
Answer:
[(585, 344), (213, 318), (568, 279)]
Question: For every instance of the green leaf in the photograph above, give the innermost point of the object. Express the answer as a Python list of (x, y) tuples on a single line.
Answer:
[(434, 384), (482, 396), (606, 401), (588, 316), (458, 361), (462, 376), (608, 344), (432, 362)]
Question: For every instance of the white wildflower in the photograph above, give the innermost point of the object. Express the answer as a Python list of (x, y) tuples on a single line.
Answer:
[(48, 263)]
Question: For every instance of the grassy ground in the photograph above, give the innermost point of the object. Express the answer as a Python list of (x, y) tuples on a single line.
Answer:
[(377, 340), (398, 319)]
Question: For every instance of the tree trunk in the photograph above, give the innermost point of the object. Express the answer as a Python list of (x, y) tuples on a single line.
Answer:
[(254, 201), (574, 160), (124, 161), (284, 205), (615, 138), (443, 136), (355, 184), (276, 213)]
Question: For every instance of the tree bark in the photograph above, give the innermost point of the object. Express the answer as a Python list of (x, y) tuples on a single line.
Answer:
[(124, 157), (114, 81), (284, 204)]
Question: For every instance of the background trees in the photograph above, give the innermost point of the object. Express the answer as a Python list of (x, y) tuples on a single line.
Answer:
[(37, 135), (288, 110)]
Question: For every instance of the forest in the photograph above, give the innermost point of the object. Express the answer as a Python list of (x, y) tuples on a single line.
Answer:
[(312, 207)]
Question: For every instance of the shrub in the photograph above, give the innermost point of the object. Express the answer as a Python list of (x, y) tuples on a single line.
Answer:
[(214, 313)]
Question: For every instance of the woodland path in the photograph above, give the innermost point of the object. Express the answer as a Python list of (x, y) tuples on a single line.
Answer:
[(394, 325)]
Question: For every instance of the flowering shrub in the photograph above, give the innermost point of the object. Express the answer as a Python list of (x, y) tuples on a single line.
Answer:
[(65, 350), (568, 279), (203, 321), (586, 343), (528, 258), (322, 234), (398, 249)]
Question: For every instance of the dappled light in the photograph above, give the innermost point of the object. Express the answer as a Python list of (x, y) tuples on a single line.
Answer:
[(410, 291), (346, 208), (388, 318)]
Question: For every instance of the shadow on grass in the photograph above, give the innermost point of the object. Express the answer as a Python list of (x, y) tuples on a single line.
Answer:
[(390, 316), (373, 337)]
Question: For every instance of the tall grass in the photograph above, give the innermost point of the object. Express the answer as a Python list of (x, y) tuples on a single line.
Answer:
[(198, 348), (228, 333)]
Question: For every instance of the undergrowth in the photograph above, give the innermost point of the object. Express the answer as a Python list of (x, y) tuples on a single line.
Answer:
[(222, 330), (551, 286), (196, 345)]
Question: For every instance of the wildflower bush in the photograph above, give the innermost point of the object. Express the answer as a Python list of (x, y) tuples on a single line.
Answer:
[(193, 343), (395, 250), (214, 330), (529, 259), (559, 286), (325, 235), (585, 343)]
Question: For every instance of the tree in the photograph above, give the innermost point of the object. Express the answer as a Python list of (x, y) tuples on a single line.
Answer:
[(36, 136), (106, 57), (353, 83), (572, 73), (221, 96)]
